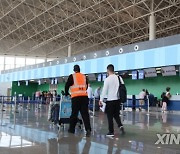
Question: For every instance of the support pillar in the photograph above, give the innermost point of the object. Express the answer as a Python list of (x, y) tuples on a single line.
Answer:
[(25, 57), (45, 59), (152, 27), (69, 50)]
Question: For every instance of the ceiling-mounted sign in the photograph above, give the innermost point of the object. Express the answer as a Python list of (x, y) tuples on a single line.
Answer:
[(150, 72), (39, 82), (134, 75), (168, 71), (141, 74), (55, 81), (52, 81), (91, 77)]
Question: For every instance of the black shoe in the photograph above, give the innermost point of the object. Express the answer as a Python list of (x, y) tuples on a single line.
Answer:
[(122, 130), (110, 134), (70, 131), (88, 133)]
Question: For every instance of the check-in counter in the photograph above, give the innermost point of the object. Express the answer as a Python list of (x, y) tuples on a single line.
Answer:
[(174, 103)]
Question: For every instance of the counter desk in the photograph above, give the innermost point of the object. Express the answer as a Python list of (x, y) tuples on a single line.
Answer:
[(174, 103)]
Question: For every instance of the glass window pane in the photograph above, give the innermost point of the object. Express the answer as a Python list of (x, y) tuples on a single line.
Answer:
[(1, 67), (1, 59), (9, 63), (18, 65), (9, 60), (50, 59), (40, 61), (30, 61), (20, 62), (7, 67)]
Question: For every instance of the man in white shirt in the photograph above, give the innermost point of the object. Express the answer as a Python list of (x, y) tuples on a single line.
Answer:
[(97, 93), (142, 95), (111, 87), (90, 92)]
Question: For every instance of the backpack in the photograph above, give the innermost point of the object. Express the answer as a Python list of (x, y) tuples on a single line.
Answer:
[(122, 92)]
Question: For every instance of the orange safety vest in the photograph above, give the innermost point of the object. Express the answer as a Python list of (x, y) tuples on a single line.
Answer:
[(79, 86)]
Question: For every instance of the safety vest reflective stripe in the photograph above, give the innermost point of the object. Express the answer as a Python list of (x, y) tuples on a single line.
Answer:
[(77, 92), (78, 86), (74, 78)]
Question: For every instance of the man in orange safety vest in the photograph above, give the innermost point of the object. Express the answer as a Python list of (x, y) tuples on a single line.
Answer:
[(77, 83)]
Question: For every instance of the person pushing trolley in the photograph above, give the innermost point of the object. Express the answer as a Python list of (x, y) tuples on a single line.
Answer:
[(78, 84)]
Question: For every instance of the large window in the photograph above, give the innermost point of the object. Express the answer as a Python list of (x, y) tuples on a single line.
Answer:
[(9, 63), (1, 63), (30, 61), (38, 60), (50, 59), (20, 62)]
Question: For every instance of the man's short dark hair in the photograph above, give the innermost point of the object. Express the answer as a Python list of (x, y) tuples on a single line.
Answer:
[(76, 68), (168, 89), (110, 67)]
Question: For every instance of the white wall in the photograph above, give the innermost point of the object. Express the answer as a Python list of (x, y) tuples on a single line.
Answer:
[(4, 87)]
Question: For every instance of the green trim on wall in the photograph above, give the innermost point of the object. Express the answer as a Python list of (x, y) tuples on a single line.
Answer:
[(43, 87), (61, 86), (96, 84), (23, 89), (154, 85)]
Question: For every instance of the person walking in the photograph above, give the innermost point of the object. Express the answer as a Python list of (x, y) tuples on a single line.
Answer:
[(165, 99), (77, 84), (90, 91), (142, 95), (111, 88), (97, 93), (90, 94)]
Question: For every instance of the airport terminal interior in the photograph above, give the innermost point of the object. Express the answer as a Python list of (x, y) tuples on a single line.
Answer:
[(40, 43)]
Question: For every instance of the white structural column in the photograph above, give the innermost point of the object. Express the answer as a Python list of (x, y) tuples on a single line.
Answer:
[(152, 23), (69, 50), (4, 63), (25, 60), (14, 62), (152, 27), (45, 59)]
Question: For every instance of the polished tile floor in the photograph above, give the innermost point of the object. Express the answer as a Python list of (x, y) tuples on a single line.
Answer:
[(29, 132)]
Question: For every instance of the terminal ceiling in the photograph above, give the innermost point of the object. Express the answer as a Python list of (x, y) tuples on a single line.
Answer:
[(48, 27)]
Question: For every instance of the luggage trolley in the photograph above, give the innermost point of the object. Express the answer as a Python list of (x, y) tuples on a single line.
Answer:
[(65, 112)]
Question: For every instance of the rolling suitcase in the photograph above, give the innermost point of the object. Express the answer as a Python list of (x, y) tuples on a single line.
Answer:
[(55, 114)]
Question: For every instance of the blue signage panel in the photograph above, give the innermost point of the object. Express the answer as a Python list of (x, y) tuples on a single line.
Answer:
[(134, 75), (141, 74), (157, 57)]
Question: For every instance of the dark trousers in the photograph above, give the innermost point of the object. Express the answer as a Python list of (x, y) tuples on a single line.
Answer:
[(80, 104), (112, 110)]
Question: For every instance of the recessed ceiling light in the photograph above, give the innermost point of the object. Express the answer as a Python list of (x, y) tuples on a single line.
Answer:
[(84, 57), (121, 50), (95, 55), (107, 53), (136, 47), (74, 59)]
